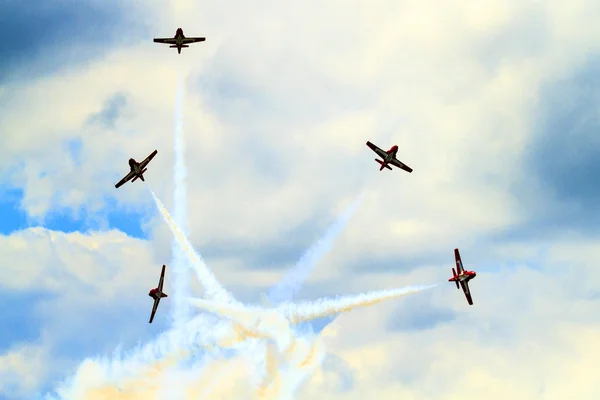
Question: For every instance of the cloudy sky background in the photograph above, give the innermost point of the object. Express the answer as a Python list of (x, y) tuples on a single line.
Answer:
[(495, 105)]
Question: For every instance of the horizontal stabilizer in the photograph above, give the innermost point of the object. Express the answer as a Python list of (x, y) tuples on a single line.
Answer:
[(454, 278), (382, 166)]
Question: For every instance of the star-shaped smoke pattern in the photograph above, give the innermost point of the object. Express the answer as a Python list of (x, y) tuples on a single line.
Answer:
[(264, 341), (200, 357)]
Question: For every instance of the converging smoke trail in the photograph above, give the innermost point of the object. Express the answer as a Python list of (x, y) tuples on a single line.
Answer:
[(296, 356), (293, 280), (256, 319), (212, 288), (291, 283), (192, 337), (180, 309)]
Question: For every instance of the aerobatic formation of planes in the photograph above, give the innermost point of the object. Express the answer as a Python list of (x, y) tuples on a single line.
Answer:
[(461, 277)]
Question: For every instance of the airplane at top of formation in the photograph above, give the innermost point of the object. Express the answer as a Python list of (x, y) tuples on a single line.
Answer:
[(137, 170), (157, 294), (179, 40), (461, 276), (389, 157)]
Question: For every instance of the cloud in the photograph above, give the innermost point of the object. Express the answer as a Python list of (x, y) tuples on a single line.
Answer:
[(422, 316), (110, 111), (22, 368), (561, 155), (277, 113), (59, 32)]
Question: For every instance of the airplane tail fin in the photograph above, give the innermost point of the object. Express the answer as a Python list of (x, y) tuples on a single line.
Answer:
[(174, 46), (454, 278), (383, 165), (142, 175)]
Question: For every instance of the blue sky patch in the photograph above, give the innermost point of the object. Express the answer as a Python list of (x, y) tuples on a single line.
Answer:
[(13, 218), (20, 323)]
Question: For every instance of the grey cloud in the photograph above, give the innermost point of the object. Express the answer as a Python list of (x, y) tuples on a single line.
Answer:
[(561, 188), (56, 33), (110, 112), (525, 35), (278, 253), (417, 313), (339, 373)]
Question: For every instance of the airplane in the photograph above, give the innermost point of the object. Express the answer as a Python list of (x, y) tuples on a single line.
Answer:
[(137, 170), (463, 277), (389, 157), (157, 294), (179, 40)]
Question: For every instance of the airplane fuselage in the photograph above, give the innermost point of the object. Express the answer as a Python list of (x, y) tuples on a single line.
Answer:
[(135, 166), (391, 154), (467, 276), (179, 36), (156, 294)]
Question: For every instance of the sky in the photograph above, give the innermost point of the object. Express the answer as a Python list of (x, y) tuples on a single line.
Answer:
[(495, 105)]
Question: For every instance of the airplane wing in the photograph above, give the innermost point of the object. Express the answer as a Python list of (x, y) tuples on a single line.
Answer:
[(465, 288), (189, 40), (154, 307), (127, 178), (381, 153), (162, 279), (148, 159), (459, 264), (401, 165), (165, 40)]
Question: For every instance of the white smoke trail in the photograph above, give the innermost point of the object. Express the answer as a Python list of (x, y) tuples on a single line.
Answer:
[(180, 310), (309, 310), (293, 280), (192, 337), (259, 320), (296, 356), (291, 283), (212, 288)]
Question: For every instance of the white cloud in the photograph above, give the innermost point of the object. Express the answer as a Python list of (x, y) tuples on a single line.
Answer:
[(279, 102), (23, 368), (413, 73)]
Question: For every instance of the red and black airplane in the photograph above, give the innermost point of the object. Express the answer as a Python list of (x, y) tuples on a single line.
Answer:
[(179, 40), (463, 277), (157, 294), (389, 157), (137, 170)]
